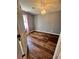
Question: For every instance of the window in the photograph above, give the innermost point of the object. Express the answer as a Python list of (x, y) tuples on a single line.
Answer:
[(25, 19)]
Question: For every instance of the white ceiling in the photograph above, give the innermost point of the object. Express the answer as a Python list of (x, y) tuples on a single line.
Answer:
[(33, 6)]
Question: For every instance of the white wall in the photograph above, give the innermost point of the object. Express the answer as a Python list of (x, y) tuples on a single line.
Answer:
[(50, 23)]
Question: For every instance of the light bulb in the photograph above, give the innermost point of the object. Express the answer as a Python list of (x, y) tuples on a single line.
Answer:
[(43, 12)]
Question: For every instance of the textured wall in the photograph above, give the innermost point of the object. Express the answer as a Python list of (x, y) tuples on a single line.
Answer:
[(50, 23)]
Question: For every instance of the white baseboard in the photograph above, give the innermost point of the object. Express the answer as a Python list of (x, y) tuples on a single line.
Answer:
[(44, 32), (48, 32)]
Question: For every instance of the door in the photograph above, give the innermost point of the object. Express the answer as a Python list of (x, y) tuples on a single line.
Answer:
[(57, 54), (26, 25), (22, 43)]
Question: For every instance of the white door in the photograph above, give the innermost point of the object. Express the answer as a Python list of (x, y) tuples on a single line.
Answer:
[(57, 54), (22, 44)]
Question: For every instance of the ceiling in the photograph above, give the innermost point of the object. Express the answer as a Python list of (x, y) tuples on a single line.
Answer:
[(34, 6)]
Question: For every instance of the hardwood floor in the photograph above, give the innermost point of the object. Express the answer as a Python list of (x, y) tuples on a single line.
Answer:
[(41, 45)]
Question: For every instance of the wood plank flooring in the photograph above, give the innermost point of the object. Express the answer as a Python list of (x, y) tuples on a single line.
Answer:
[(41, 45)]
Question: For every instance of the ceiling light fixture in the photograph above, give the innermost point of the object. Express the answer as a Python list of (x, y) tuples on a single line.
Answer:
[(43, 10)]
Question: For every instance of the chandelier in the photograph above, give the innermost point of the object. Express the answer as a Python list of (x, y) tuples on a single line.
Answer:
[(44, 6), (43, 9), (41, 6)]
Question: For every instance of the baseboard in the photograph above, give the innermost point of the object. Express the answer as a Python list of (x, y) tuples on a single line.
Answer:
[(47, 32), (42, 31)]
